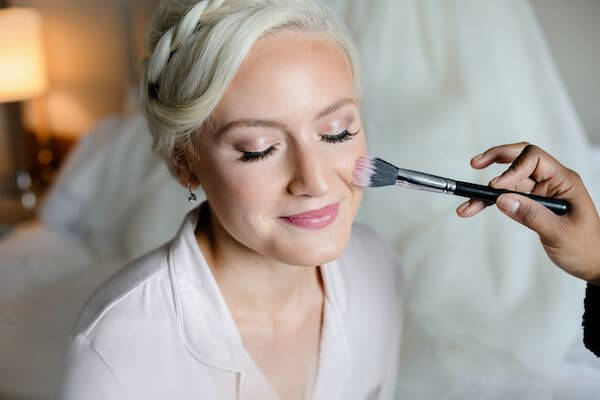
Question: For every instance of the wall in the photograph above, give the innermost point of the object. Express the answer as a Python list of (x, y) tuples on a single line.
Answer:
[(573, 33), (88, 59)]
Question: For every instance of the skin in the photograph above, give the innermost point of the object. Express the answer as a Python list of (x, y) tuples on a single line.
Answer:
[(572, 241), (302, 83)]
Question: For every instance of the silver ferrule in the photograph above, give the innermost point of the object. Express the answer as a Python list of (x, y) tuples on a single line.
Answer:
[(422, 181)]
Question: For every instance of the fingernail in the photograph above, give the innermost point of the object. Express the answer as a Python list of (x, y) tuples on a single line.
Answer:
[(495, 180), (464, 206), (478, 157), (508, 204)]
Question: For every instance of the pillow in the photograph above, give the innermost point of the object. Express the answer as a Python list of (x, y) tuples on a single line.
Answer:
[(115, 193)]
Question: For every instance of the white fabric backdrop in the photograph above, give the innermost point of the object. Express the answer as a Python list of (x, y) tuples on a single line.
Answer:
[(489, 316)]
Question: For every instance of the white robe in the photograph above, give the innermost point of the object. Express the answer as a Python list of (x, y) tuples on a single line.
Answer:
[(161, 329)]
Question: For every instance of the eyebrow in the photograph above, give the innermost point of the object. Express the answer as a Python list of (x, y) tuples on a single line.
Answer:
[(279, 125)]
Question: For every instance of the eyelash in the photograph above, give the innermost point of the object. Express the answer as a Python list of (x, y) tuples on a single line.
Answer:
[(250, 156)]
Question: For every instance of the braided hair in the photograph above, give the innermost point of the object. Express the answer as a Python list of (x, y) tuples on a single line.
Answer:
[(197, 47)]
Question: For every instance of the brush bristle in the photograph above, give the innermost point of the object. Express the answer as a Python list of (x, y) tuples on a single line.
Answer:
[(376, 172), (362, 172)]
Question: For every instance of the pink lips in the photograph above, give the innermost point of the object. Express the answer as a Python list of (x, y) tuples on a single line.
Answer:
[(314, 219)]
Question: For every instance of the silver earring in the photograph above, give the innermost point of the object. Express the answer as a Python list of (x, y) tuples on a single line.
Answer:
[(191, 195)]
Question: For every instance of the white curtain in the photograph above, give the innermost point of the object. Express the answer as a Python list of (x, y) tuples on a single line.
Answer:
[(489, 316)]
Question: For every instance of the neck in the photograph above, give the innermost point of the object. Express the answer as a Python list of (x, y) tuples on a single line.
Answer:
[(253, 285)]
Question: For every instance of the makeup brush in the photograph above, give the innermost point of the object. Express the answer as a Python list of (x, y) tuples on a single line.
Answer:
[(375, 172)]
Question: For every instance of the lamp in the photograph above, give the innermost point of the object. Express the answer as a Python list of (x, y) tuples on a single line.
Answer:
[(22, 77), (22, 66)]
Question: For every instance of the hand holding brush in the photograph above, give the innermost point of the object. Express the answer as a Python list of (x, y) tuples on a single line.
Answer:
[(375, 172), (571, 241), (536, 191)]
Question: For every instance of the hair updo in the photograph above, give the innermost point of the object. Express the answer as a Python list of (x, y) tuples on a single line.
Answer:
[(197, 47)]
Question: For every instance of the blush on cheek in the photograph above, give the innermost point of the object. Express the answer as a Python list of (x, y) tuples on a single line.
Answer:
[(346, 164), (346, 177)]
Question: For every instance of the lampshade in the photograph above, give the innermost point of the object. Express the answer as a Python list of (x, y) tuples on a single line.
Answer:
[(22, 62)]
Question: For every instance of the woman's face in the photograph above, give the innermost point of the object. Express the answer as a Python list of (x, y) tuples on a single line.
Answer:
[(277, 169)]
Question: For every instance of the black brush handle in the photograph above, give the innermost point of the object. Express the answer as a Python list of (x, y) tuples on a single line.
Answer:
[(486, 193)]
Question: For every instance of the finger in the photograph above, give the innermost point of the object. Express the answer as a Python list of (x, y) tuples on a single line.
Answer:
[(533, 163), (530, 214), (548, 188), (503, 154), (573, 191), (471, 208), (525, 186), (462, 208)]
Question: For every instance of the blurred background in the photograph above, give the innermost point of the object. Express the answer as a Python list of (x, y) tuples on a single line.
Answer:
[(90, 58), (81, 194), (92, 53)]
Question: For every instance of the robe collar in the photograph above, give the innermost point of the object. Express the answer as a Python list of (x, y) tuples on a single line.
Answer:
[(208, 327)]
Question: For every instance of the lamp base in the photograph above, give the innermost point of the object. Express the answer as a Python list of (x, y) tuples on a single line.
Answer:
[(17, 197), (18, 202)]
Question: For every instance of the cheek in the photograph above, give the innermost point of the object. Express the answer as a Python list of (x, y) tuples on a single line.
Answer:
[(360, 150), (239, 190), (345, 161)]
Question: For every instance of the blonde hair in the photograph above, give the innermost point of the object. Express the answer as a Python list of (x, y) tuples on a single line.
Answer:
[(197, 47)]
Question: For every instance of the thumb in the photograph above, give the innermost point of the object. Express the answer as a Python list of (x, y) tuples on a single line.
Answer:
[(530, 213)]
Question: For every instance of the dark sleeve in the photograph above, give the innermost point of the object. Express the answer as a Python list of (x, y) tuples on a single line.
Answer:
[(591, 319)]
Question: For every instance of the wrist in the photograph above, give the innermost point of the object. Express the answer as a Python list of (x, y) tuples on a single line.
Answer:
[(596, 279), (595, 268)]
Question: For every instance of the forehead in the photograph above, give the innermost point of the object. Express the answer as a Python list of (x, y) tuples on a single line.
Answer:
[(287, 74)]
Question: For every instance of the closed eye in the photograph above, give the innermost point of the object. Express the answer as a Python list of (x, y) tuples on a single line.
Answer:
[(253, 156), (340, 137)]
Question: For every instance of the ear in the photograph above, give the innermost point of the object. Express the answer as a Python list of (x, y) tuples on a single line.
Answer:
[(179, 161)]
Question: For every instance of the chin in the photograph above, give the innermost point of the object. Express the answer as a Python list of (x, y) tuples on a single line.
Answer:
[(311, 248), (315, 250), (309, 260)]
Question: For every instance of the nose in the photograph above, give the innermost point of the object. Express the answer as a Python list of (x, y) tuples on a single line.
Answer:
[(310, 174)]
